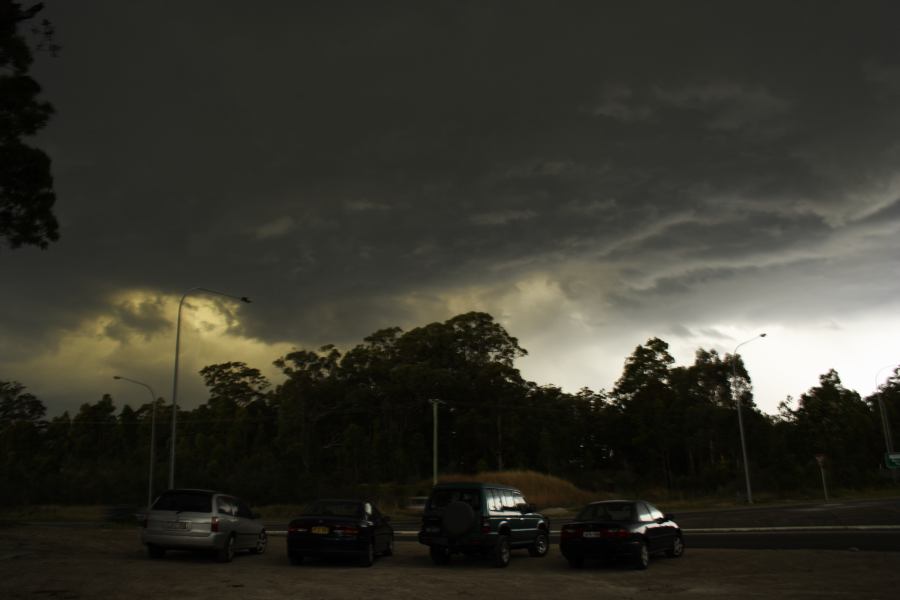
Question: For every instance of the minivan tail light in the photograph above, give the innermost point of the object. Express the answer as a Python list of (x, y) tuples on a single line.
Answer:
[(485, 525), (214, 524)]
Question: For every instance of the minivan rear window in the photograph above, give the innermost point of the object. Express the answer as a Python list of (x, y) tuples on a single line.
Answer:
[(185, 502), (441, 498)]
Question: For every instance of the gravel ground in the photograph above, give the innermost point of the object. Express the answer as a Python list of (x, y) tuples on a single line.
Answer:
[(68, 562)]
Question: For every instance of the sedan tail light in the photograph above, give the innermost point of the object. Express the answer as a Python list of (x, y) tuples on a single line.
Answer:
[(345, 530), (214, 524), (571, 531)]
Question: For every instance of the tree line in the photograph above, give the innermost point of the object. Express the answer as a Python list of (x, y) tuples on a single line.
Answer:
[(341, 421)]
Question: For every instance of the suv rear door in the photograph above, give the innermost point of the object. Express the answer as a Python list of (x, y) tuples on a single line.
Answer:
[(526, 522), (530, 519)]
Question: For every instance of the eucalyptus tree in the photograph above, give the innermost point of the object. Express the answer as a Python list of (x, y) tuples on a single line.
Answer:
[(26, 184), (833, 421)]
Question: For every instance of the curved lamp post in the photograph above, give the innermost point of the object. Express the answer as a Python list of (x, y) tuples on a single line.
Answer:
[(737, 400), (152, 434), (175, 377)]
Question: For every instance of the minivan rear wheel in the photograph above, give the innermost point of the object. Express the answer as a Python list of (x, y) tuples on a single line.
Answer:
[(226, 552), (261, 542)]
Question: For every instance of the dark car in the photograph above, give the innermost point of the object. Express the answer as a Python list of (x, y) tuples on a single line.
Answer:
[(628, 529), (486, 519), (340, 528)]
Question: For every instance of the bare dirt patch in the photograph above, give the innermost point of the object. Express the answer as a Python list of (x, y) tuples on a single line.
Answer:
[(85, 562)]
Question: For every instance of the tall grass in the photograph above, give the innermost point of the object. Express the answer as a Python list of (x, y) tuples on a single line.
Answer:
[(544, 491)]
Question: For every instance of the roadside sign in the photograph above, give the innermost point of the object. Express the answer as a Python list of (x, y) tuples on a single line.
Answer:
[(820, 458), (892, 460)]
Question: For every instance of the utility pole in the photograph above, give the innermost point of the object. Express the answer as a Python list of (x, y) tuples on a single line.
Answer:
[(434, 460)]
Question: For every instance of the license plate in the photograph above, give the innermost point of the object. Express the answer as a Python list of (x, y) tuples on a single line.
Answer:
[(320, 530), (176, 525), (594, 534)]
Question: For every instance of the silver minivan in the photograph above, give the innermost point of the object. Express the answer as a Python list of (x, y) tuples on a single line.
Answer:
[(202, 520)]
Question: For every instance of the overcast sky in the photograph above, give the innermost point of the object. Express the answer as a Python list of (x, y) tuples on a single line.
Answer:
[(592, 174)]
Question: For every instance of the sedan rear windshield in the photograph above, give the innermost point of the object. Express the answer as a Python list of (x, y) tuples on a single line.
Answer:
[(608, 511), (334, 508), (185, 502), (441, 498)]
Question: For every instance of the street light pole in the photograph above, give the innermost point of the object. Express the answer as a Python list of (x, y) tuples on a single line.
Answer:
[(152, 434), (175, 377), (737, 400), (434, 460)]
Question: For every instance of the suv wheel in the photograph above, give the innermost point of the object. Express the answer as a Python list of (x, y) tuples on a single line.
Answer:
[(440, 555), (501, 551), (540, 546)]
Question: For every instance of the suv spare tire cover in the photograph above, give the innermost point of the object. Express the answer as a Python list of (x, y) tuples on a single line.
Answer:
[(458, 518)]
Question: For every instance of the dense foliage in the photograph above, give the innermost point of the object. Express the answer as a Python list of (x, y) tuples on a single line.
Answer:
[(26, 185), (342, 421)]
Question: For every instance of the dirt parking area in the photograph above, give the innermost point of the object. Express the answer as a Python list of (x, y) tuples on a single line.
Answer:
[(71, 563)]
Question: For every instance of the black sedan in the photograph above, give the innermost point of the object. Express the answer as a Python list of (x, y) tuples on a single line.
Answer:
[(340, 528), (629, 529)]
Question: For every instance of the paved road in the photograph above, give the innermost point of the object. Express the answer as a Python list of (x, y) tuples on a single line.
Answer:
[(861, 525)]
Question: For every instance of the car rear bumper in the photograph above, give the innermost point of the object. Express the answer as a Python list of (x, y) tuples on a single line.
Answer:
[(308, 545), (210, 541), (485, 540), (600, 549)]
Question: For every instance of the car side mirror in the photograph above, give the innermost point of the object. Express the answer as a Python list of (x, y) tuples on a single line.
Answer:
[(660, 520), (527, 508)]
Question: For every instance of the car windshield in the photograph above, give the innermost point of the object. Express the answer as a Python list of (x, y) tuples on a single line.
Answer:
[(608, 511), (334, 508), (185, 502), (441, 498)]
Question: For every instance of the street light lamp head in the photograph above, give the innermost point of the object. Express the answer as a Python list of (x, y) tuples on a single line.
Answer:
[(762, 335), (245, 299), (116, 377)]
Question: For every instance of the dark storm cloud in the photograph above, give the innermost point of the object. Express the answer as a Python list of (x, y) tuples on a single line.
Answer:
[(332, 159)]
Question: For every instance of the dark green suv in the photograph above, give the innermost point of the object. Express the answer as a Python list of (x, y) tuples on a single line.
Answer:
[(487, 519)]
